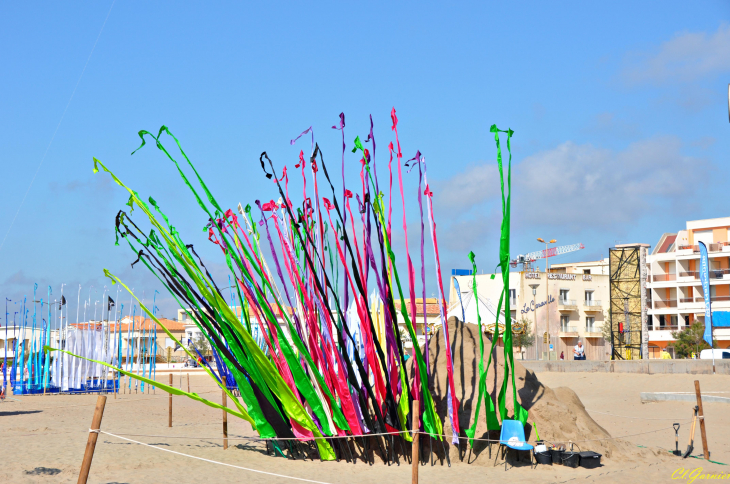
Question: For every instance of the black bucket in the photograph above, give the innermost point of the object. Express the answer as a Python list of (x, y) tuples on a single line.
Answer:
[(590, 459), (557, 456), (570, 459), (544, 458)]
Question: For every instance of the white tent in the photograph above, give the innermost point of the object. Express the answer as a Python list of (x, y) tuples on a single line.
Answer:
[(465, 302)]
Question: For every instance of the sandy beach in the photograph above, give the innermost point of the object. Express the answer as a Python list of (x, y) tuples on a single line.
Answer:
[(43, 438)]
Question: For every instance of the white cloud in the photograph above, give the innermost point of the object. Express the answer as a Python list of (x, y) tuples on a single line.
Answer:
[(579, 187), (686, 57), (468, 188)]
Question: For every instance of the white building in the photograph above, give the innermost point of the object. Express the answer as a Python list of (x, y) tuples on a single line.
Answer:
[(674, 287), (10, 336)]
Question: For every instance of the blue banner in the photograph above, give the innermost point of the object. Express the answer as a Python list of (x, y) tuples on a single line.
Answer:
[(705, 280)]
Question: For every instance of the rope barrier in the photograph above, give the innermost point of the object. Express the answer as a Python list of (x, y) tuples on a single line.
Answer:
[(445, 436), (266, 439), (208, 460), (615, 438)]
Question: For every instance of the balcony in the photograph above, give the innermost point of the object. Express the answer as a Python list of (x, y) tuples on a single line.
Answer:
[(695, 249), (593, 331), (701, 299), (664, 328), (688, 249), (666, 303), (592, 305), (689, 275), (720, 274), (664, 277), (568, 331), (513, 302), (567, 305)]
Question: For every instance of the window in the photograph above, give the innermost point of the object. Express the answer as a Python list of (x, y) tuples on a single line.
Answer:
[(586, 271), (513, 296), (563, 294), (662, 321), (564, 321), (589, 295), (590, 323)]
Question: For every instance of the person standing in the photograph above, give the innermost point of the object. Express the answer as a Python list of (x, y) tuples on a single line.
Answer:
[(579, 352)]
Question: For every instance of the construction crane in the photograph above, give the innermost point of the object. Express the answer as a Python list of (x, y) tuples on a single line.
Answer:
[(527, 259)]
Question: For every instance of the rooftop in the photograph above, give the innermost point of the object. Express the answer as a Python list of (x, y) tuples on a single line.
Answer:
[(140, 324)]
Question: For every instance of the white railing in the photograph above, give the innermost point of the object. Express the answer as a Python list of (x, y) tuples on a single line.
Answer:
[(592, 303)]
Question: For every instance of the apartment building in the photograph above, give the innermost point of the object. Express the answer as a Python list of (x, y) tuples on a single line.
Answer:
[(563, 306), (674, 290)]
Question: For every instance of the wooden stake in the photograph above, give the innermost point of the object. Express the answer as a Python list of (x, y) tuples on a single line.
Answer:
[(188, 382), (702, 420), (225, 421), (91, 442), (414, 447), (169, 419)]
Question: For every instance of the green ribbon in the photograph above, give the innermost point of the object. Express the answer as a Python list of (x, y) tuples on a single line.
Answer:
[(491, 414), (519, 412)]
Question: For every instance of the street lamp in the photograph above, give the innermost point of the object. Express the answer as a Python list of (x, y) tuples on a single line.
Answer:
[(547, 293), (534, 312)]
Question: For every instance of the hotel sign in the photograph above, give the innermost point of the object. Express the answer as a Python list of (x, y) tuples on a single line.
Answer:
[(562, 277), (557, 276), (534, 306)]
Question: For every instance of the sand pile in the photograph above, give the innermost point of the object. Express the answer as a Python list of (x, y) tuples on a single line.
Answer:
[(558, 413)]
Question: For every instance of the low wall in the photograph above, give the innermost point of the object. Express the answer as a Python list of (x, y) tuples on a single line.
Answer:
[(651, 397), (695, 367)]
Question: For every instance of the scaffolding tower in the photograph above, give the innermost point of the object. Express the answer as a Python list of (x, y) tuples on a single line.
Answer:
[(627, 311)]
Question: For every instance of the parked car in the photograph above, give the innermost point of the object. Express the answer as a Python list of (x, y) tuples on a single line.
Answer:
[(191, 363), (720, 354)]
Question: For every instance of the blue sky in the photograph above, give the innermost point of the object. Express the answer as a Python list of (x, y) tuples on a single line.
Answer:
[(619, 111)]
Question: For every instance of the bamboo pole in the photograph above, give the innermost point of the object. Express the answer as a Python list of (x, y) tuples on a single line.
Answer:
[(414, 446), (702, 420), (225, 421), (91, 442), (169, 419)]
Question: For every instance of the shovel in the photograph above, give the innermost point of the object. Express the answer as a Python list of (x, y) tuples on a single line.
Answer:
[(690, 445), (676, 450)]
